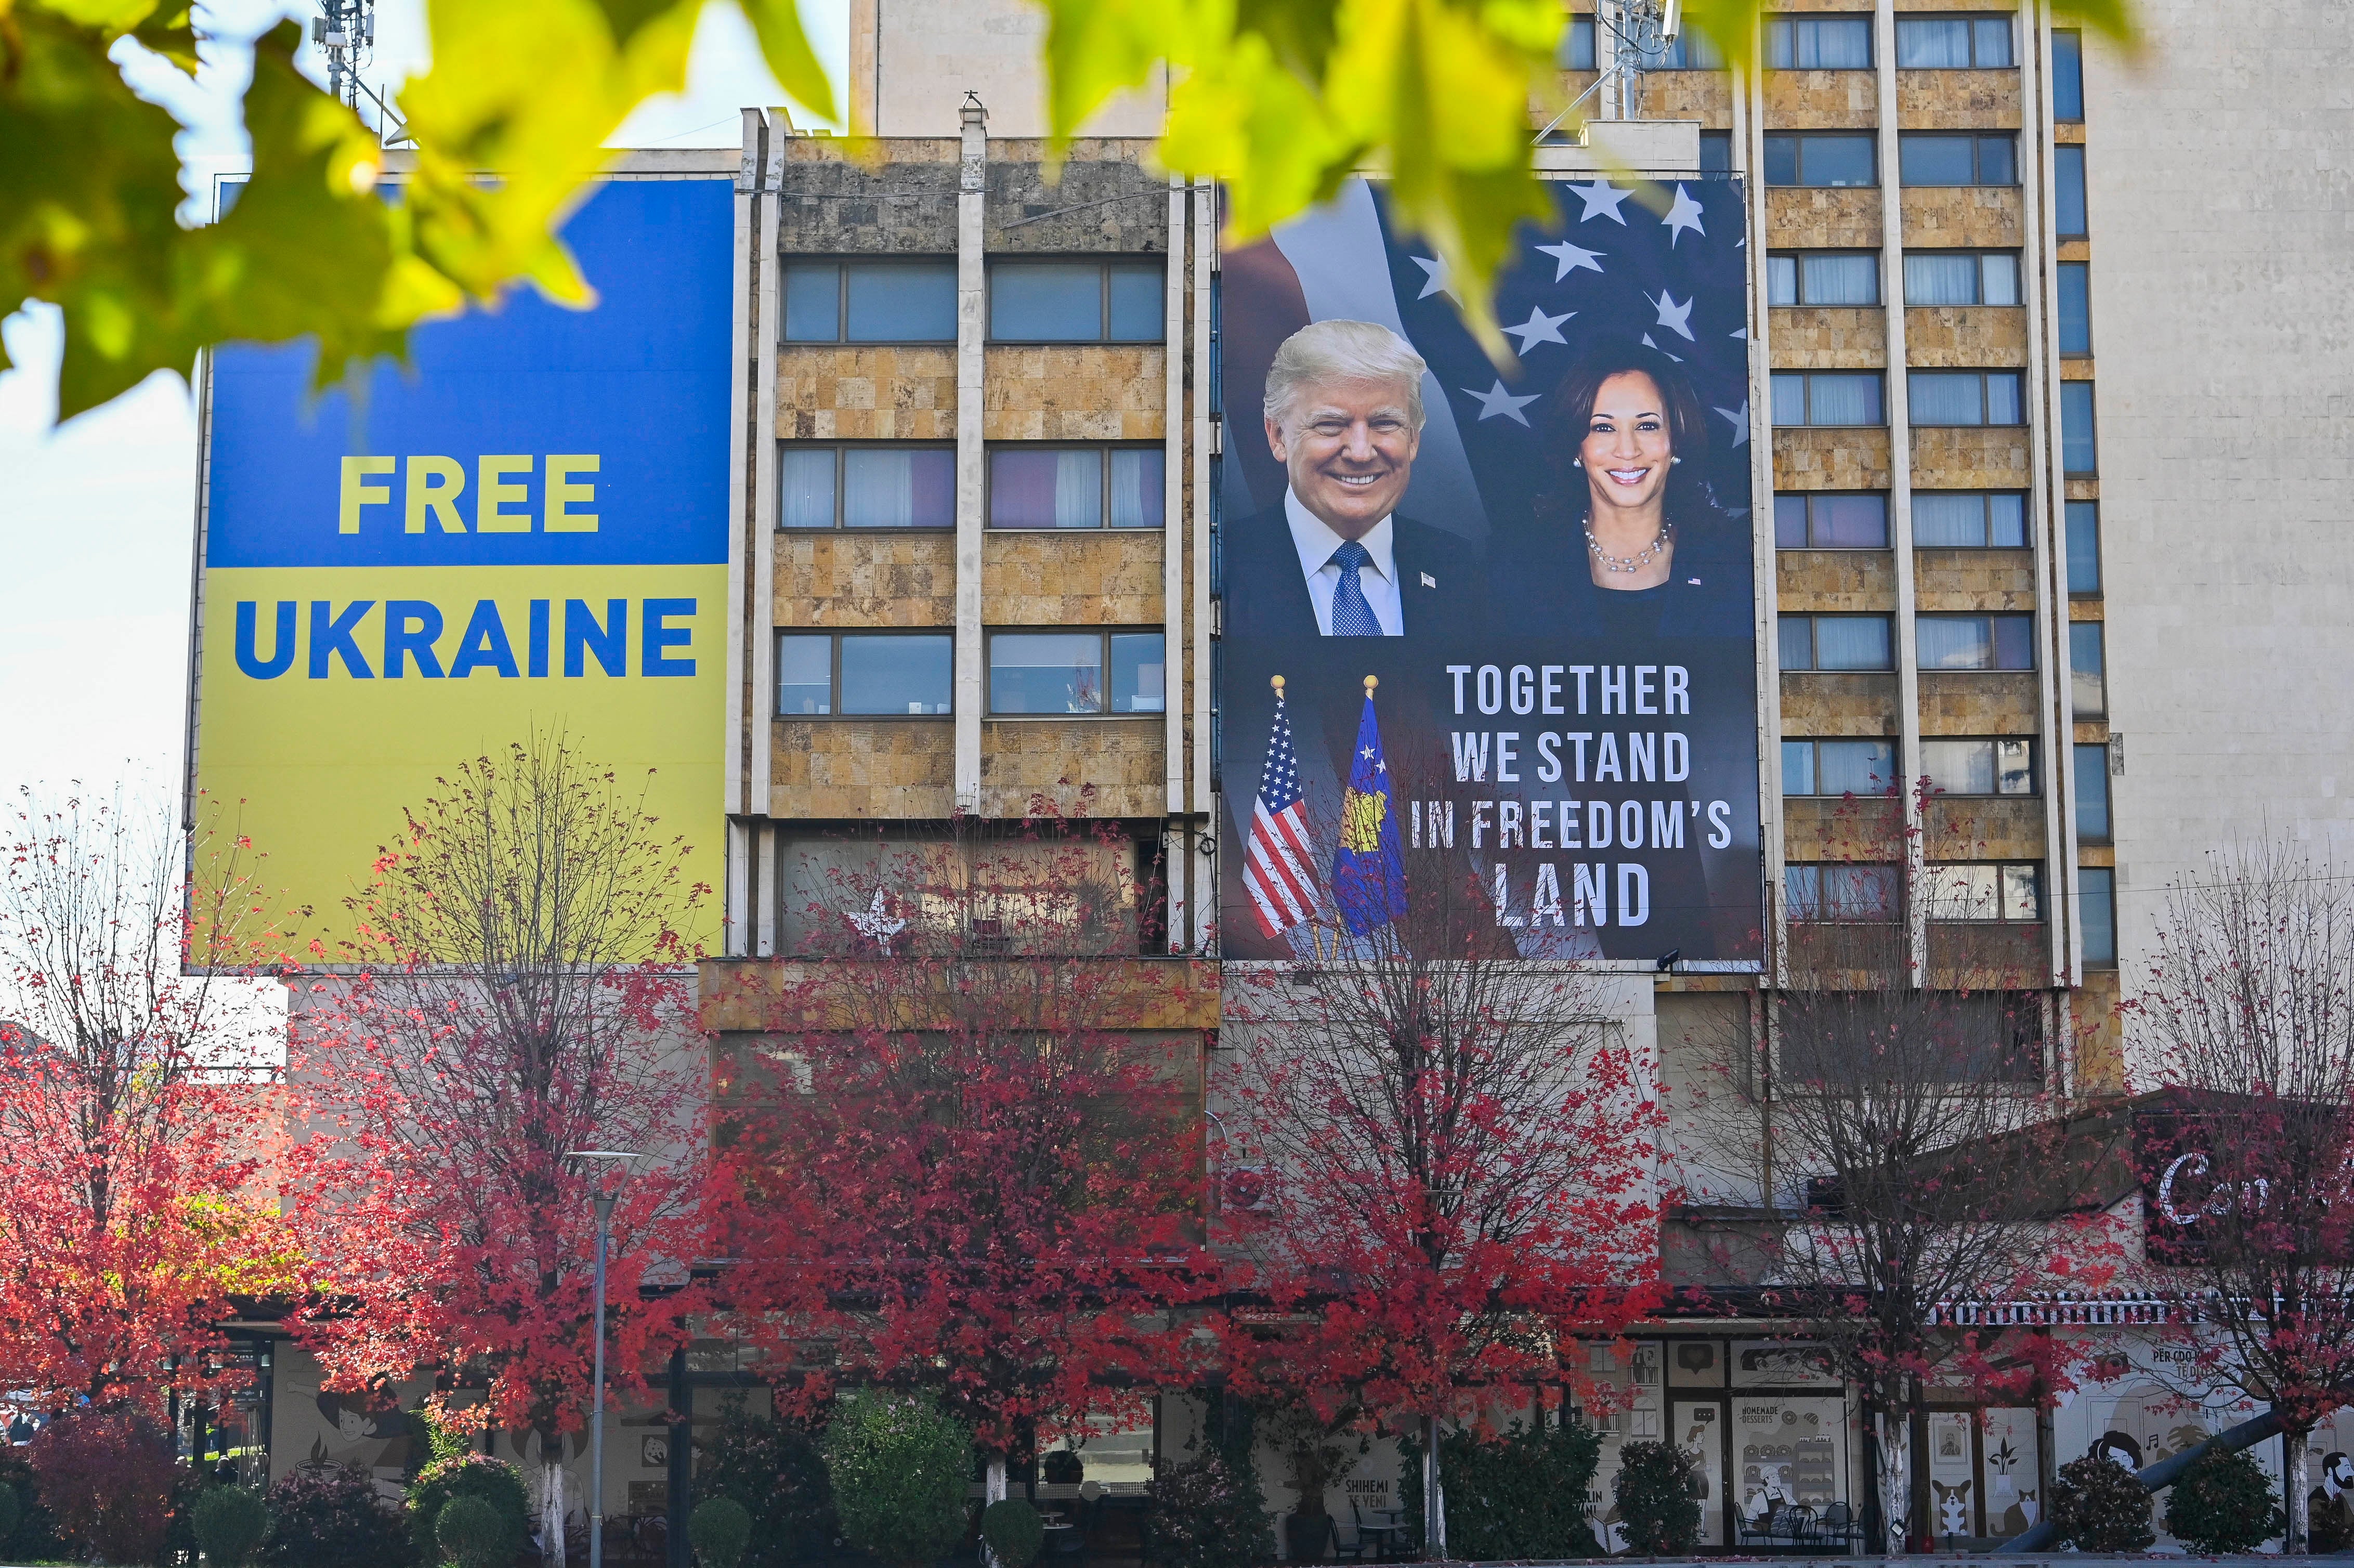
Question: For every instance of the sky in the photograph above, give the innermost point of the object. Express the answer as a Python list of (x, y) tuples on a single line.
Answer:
[(97, 516)]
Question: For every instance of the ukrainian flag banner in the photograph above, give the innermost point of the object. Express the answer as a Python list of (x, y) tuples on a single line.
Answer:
[(525, 530), (1368, 864)]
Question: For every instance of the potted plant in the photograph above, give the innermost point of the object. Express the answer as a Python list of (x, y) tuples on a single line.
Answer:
[(1315, 1457)]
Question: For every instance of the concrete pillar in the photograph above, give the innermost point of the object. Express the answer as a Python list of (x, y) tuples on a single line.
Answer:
[(973, 332)]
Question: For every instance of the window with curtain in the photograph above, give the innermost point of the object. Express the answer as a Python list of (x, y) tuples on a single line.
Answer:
[(1832, 158), (1069, 673), (1965, 397), (2096, 900), (895, 485), (1576, 50), (2092, 779), (1831, 520), (1969, 519), (2078, 451), (1819, 43), (881, 674), (1961, 278), (2088, 679), (870, 302), (1826, 397), (1983, 891), (1823, 278), (1078, 301), (1843, 890), (1953, 43), (1994, 766), (2083, 526), (2067, 74), (1075, 487), (1716, 151), (1839, 768), (1938, 158), (1835, 643), (2068, 191), (1975, 642)]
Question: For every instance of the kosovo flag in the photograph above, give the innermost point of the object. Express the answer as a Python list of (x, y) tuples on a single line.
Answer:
[(1369, 865)]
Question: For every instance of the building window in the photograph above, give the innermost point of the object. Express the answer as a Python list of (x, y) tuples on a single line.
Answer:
[(2093, 793), (2068, 191), (2088, 679), (1839, 768), (880, 675), (1976, 641), (1076, 301), (2084, 547), (2067, 74), (1965, 397), (1969, 519), (2078, 451), (1716, 151), (1843, 890), (1065, 673), (1981, 890), (1826, 397), (1822, 278), (1037, 486), (1835, 643), (1576, 51), (870, 302), (1836, 158), (1923, 158), (1831, 520), (1961, 277), (2075, 307), (1953, 43), (1819, 43), (1687, 51), (1993, 767), (2096, 899), (892, 486)]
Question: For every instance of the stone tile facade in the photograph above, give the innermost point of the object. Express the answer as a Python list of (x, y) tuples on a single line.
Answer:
[(1075, 392), (1962, 217), (1973, 579), (1071, 579), (1965, 457), (849, 769), (1834, 581), (866, 580), (1830, 460), (1073, 768), (1844, 219), (1828, 337), (1958, 100), (1978, 337), (1977, 703), (858, 393)]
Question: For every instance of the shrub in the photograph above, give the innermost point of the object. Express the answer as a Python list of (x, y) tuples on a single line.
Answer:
[(36, 1538), (491, 1481), (229, 1524), (472, 1532), (774, 1470), (1015, 1532), (106, 1476), (1204, 1514), (1520, 1494), (899, 1469), (2098, 1505), (1657, 1493), (718, 1528), (2223, 1503), (329, 1516), (11, 1512)]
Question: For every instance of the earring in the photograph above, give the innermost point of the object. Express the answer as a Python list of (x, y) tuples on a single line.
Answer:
[(1577, 463), (1675, 460)]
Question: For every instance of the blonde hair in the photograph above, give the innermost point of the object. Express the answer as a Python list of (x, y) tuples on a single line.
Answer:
[(1341, 351)]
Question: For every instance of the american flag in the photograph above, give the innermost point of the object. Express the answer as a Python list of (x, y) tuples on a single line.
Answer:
[(1275, 871)]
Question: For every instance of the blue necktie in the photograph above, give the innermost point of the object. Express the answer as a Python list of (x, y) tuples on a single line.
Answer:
[(1351, 616)]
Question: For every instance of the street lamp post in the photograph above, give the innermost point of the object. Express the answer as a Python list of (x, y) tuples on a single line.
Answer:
[(603, 1202)]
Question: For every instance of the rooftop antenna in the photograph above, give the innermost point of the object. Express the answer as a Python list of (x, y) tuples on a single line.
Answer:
[(1639, 33), (345, 31)]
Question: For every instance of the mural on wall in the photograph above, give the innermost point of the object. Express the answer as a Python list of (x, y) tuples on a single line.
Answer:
[(373, 1431), (2013, 1486)]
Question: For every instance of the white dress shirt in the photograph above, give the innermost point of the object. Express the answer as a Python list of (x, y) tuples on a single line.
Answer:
[(1315, 541)]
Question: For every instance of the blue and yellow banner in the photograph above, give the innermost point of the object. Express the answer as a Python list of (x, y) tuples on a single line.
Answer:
[(524, 531)]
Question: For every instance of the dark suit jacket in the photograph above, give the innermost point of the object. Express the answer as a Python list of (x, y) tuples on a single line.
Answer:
[(1267, 596)]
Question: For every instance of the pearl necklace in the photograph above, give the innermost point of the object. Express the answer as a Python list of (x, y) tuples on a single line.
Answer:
[(1651, 552)]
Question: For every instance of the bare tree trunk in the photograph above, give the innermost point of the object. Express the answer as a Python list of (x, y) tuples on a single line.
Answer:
[(551, 1501), (992, 1491), (1433, 1495), (2292, 1493), (1892, 1440)]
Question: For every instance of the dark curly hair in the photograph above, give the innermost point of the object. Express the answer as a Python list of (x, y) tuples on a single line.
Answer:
[(1564, 498)]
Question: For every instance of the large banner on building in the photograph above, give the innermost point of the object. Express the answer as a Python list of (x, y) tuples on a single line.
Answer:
[(525, 531), (1488, 668)]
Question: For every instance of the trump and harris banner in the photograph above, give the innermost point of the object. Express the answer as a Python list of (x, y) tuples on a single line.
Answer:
[(1488, 637)]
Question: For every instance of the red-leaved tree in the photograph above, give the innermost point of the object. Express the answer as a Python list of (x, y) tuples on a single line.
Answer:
[(968, 1164), (134, 1120), (520, 999), (1440, 1171)]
